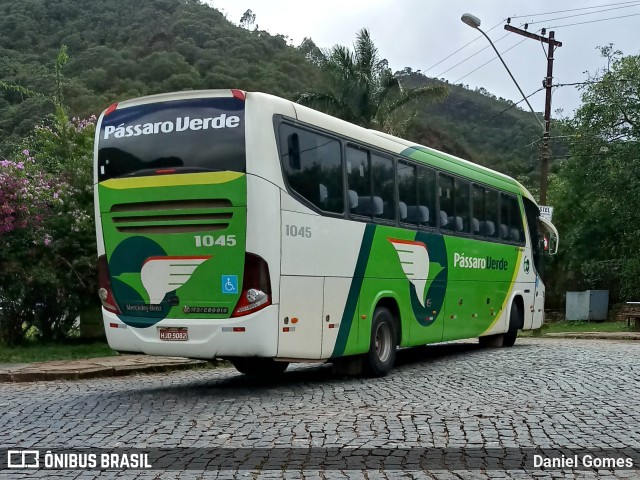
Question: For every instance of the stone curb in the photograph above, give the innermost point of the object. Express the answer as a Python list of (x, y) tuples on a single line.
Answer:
[(96, 368)]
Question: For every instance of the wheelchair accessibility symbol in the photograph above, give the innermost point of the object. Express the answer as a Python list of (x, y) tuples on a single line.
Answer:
[(230, 284)]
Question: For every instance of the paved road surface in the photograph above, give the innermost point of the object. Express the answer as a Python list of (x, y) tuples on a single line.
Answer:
[(573, 394)]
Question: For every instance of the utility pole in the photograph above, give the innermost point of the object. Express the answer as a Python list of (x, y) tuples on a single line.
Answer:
[(547, 83)]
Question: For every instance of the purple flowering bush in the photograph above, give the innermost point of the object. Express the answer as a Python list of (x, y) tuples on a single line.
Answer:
[(47, 235), (27, 196)]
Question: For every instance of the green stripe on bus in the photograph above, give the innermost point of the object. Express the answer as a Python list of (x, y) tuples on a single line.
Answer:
[(354, 291)]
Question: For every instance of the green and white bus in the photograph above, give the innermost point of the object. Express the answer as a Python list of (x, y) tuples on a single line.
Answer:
[(244, 226)]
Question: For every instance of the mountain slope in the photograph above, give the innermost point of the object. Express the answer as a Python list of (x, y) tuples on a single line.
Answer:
[(480, 127), (119, 49)]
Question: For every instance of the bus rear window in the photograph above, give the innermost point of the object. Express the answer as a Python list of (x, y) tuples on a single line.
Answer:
[(181, 136)]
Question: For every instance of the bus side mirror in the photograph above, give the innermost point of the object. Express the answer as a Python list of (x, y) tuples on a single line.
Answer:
[(549, 244), (293, 144), (553, 245), (550, 239)]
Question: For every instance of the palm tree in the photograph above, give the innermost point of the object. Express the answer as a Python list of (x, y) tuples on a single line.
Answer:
[(360, 88)]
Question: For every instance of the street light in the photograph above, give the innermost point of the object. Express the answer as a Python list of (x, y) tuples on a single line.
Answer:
[(474, 22)]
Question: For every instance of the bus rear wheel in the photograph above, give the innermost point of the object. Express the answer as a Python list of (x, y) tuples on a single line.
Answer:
[(382, 348), (514, 325), (259, 367)]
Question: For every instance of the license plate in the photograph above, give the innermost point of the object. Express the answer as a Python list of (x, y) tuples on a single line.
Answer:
[(174, 334)]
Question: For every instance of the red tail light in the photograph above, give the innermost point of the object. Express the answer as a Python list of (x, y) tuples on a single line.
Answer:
[(104, 284), (256, 286)]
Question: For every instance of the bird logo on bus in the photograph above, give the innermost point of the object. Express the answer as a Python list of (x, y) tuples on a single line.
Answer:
[(427, 296), (414, 260), (161, 275)]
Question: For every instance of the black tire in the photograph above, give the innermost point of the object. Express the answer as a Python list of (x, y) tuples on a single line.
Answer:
[(259, 367), (350, 366), (514, 325), (382, 348), (492, 341)]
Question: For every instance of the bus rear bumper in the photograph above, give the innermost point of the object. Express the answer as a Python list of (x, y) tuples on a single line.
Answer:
[(207, 338)]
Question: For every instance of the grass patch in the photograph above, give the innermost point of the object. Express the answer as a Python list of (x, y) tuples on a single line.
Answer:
[(45, 351), (579, 326)]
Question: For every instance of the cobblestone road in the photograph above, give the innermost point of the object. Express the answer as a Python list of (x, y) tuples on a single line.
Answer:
[(541, 393)]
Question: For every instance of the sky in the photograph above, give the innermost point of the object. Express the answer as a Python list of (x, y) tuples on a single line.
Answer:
[(424, 35)]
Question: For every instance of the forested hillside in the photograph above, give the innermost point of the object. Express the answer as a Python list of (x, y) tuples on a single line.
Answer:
[(119, 49), (477, 125)]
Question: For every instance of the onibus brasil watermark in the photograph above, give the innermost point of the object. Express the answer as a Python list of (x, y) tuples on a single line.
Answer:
[(322, 458), (34, 459)]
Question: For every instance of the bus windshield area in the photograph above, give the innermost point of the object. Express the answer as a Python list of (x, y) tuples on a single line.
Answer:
[(181, 136)]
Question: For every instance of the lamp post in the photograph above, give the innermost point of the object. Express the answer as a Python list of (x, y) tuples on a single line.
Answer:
[(474, 22)]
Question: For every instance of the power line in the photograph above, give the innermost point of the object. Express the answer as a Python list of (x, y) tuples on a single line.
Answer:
[(570, 155), (471, 56), (594, 21), (503, 111), (489, 61), (592, 82), (452, 54), (461, 48), (572, 10), (633, 4), (565, 143), (573, 84), (626, 5), (546, 55), (583, 14)]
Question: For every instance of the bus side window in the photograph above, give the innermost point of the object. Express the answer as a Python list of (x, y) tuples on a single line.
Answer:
[(293, 147), (445, 194), (407, 193), (313, 167), (478, 221), (383, 186), (492, 210), (533, 213), (462, 206), (504, 217), (516, 230), (359, 182), (426, 196)]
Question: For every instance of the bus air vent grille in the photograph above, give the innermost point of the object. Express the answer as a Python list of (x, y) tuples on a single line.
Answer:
[(172, 216)]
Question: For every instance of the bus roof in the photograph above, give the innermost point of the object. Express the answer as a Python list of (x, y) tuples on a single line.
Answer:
[(464, 165)]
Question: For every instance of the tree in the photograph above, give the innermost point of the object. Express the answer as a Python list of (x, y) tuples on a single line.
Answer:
[(360, 88), (248, 19), (311, 51), (47, 233), (597, 189), (611, 104)]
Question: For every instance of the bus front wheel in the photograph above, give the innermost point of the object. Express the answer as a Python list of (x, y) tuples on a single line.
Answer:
[(507, 339), (382, 349), (492, 341), (256, 366)]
